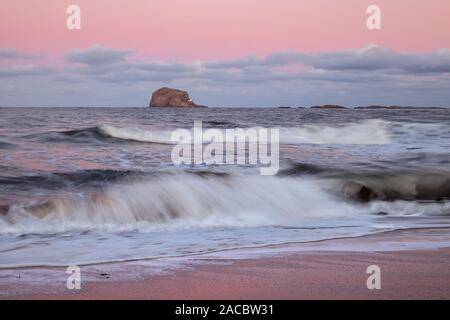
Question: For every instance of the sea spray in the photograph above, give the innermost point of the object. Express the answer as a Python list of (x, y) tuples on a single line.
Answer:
[(187, 200)]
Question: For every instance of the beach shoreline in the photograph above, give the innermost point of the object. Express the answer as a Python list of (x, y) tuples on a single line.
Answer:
[(413, 263)]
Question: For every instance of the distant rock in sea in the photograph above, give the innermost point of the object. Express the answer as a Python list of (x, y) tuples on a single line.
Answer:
[(383, 107), (394, 107), (329, 106), (172, 98)]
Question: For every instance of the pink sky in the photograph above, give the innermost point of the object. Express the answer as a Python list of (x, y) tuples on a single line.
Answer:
[(187, 30)]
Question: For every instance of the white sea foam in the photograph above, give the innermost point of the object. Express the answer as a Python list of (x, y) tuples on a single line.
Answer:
[(366, 132), (137, 134)]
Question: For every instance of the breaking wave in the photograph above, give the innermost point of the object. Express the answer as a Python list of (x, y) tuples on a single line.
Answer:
[(366, 132), (137, 134), (187, 201)]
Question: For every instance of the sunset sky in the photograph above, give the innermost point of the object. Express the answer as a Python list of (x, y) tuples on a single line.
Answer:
[(225, 52)]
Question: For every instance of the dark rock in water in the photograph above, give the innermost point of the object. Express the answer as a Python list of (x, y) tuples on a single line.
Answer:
[(4, 210), (329, 106), (357, 191), (422, 186), (433, 187), (172, 98), (396, 107), (301, 169), (374, 107)]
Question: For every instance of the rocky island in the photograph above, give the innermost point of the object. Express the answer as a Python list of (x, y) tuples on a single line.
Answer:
[(375, 107), (328, 106), (172, 98)]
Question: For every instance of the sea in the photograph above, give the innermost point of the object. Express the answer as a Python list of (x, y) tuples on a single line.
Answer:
[(83, 186)]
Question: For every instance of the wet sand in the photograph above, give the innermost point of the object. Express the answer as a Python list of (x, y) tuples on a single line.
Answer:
[(299, 272)]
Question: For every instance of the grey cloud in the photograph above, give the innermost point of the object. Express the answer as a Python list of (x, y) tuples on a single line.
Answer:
[(381, 58), (370, 75), (165, 67), (110, 65), (237, 63), (97, 56), (13, 54), (272, 60), (25, 70), (369, 58)]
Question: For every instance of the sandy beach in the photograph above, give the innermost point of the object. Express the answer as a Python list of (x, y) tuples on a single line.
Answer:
[(295, 271)]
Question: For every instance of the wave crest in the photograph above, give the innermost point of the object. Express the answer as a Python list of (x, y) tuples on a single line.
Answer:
[(186, 200), (365, 132)]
